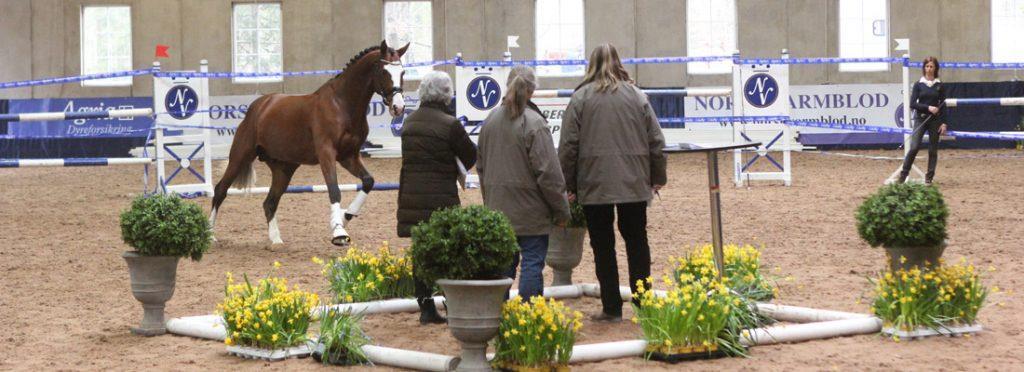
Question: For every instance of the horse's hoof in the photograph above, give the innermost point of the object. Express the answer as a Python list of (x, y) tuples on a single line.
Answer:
[(276, 241), (348, 217), (341, 241)]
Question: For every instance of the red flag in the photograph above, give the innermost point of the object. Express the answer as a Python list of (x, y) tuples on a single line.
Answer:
[(161, 51)]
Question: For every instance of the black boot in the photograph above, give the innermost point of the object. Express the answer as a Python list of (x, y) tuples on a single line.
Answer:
[(428, 312), (903, 177)]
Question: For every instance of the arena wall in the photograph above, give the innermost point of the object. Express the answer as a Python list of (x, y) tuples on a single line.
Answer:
[(41, 38)]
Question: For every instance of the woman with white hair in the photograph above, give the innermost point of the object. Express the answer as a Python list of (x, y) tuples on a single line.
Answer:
[(431, 141), (520, 176)]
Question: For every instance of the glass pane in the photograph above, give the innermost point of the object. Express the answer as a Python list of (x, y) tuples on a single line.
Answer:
[(270, 41), (122, 46), (269, 16), (571, 11), (850, 33), (248, 37), (245, 63), (850, 9), (245, 15), (270, 63), (572, 42), (245, 47), (723, 11), (547, 12), (698, 10), (123, 63)]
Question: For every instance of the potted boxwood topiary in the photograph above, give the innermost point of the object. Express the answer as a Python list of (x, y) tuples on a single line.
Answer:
[(467, 250), (908, 220), (565, 246), (161, 229)]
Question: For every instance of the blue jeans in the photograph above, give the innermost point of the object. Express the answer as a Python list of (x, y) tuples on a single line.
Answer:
[(533, 250)]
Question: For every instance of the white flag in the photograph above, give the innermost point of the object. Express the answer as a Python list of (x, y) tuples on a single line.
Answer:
[(902, 44), (513, 41)]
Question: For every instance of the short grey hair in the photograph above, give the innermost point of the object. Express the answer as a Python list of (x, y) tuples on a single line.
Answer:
[(526, 73), (436, 87)]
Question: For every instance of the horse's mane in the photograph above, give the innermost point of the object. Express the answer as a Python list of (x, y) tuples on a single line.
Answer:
[(360, 55)]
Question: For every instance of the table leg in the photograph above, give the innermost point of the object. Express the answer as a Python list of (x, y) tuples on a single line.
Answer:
[(716, 212)]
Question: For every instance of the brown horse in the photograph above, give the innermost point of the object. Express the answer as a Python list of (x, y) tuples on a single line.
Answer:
[(321, 128)]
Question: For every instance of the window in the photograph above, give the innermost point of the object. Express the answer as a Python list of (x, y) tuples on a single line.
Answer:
[(257, 41), (410, 22), (710, 31), (863, 33), (106, 43), (1007, 21), (560, 35)]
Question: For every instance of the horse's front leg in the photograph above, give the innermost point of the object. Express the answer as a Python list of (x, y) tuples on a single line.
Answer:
[(354, 165), (339, 236)]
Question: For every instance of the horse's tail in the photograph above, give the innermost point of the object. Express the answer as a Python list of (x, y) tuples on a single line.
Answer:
[(247, 150), (246, 178)]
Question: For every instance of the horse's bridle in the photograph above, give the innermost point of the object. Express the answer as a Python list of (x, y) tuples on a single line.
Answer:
[(395, 69)]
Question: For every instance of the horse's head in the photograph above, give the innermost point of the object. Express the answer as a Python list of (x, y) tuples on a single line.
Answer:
[(387, 80)]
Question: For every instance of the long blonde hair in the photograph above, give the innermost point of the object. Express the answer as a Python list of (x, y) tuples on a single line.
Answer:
[(605, 69), (521, 84)]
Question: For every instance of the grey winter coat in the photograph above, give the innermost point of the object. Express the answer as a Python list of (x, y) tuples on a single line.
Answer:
[(611, 146), (519, 171)]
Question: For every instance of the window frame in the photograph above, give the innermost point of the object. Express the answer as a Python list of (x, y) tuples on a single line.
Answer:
[(234, 45), (708, 69), (124, 81), (882, 66), (992, 34), (541, 70)]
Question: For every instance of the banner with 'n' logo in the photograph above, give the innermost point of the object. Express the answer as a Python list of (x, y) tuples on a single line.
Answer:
[(478, 90), (176, 101), (761, 89)]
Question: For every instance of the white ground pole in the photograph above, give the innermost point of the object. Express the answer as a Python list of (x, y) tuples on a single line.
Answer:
[(815, 324)]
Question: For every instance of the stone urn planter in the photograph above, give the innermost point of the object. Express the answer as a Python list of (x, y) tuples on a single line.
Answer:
[(907, 258), (160, 229), (474, 314), (152, 283), (565, 250)]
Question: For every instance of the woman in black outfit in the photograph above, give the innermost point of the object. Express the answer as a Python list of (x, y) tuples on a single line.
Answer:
[(928, 100)]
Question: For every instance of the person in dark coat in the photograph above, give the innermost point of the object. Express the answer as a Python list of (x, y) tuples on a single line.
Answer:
[(432, 139), (928, 100)]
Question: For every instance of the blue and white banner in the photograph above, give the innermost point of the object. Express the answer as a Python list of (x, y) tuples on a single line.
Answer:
[(227, 112), (853, 104), (106, 127)]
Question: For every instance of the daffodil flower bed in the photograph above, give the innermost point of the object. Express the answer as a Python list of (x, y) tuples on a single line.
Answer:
[(742, 270), (945, 296), (361, 276), (266, 315), (696, 317), (538, 333)]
